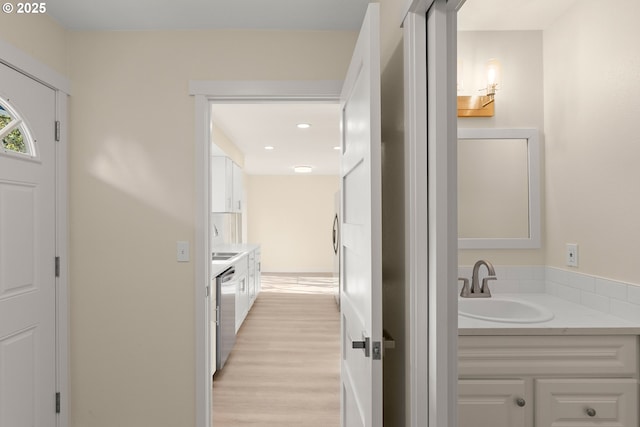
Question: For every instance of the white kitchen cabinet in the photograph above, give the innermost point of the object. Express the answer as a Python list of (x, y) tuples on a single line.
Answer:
[(242, 291), (564, 381), (494, 403), (587, 402), (252, 277), (226, 185), (247, 278), (258, 279), (237, 191)]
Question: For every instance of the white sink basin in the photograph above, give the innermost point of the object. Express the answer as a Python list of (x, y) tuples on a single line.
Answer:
[(499, 309)]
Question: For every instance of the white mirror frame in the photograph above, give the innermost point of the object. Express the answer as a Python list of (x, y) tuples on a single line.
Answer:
[(533, 155)]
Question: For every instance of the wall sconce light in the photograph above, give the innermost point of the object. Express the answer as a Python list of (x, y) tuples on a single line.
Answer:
[(483, 105)]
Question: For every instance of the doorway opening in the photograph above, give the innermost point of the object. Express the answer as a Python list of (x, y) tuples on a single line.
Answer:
[(289, 215), (205, 94)]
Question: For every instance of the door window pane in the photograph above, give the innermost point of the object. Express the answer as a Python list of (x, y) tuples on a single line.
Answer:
[(13, 133)]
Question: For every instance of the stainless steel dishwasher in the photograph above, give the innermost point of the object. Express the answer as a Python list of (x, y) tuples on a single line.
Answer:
[(226, 284)]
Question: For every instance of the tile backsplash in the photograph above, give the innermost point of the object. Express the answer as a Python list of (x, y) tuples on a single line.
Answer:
[(529, 278), (607, 296)]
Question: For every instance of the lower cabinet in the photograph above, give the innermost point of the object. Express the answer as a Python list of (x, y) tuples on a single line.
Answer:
[(248, 284), (548, 381), (587, 402), (252, 277), (491, 403), (242, 291)]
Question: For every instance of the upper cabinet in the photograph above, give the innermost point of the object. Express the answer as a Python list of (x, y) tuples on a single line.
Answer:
[(226, 185)]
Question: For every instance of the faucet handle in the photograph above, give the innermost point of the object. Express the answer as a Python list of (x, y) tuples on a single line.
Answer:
[(485, 285), (465, 287)]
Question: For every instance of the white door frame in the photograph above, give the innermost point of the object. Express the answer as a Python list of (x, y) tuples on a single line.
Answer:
[(205, 92), (431, 211), (25, 64)]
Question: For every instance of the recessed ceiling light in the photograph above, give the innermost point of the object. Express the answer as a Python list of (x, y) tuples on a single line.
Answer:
[(269, 147), (302, 169), (303, 125), (337, 147)]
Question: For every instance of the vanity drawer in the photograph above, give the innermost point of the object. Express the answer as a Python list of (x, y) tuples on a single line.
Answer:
[(586, 356), (586, 402)]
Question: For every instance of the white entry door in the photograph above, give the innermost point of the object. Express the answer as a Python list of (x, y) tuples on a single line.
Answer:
[(27, 252), (361, 294)]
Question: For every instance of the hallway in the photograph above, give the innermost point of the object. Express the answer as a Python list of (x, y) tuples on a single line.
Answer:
[(285, 367)]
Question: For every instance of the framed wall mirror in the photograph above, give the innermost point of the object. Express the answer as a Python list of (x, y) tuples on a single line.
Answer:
[(498, 189)]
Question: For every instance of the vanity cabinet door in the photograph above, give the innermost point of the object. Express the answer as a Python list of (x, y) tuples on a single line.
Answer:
[(492, 403), (586, 402)]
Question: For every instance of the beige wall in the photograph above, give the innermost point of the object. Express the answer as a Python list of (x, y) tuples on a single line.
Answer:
[(291, 217), (591, 70), (39, 36), (133, 196), (519, 104)]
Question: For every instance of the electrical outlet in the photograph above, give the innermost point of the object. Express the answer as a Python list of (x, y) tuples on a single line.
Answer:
[(572, 254)]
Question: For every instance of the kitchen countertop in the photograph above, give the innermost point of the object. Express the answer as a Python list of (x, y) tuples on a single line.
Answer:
[(569, 319), (242, 249)]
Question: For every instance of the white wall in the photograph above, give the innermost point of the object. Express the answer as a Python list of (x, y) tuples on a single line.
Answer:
[(586, 66), (291, 217), (592, 87), (518, 104)]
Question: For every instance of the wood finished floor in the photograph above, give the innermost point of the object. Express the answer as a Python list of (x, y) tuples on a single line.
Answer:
[(285, 367)]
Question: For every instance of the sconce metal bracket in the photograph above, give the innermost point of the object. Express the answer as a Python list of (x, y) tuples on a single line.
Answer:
[(475, 106)]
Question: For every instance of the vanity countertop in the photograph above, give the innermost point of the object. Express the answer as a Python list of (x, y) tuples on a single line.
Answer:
[(569, 319)]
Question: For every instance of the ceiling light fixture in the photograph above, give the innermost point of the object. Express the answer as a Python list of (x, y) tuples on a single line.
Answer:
[(269, 147), (302, 169), (337, 147), (303, 125)]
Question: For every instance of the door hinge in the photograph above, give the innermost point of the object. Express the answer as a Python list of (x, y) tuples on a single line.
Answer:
[(57, 402), (57, 266), (57, 130)]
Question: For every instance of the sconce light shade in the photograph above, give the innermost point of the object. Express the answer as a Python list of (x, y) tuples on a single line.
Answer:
[(481, 106), (494, 76)]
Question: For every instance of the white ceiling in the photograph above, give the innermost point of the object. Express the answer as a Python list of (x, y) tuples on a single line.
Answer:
[(208, 14), (251, 127), (510, 15)]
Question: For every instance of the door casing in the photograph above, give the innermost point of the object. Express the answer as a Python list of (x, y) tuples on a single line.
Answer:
[(431, 210), (206, 92)]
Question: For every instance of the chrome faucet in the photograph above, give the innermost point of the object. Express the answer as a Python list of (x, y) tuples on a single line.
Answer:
[(477, 291)]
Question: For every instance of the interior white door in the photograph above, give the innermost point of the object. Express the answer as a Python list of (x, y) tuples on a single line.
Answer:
[(361, 294), (27, 260)]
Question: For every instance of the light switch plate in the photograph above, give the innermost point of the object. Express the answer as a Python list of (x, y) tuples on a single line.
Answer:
[(572, 254), (183, 251)]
